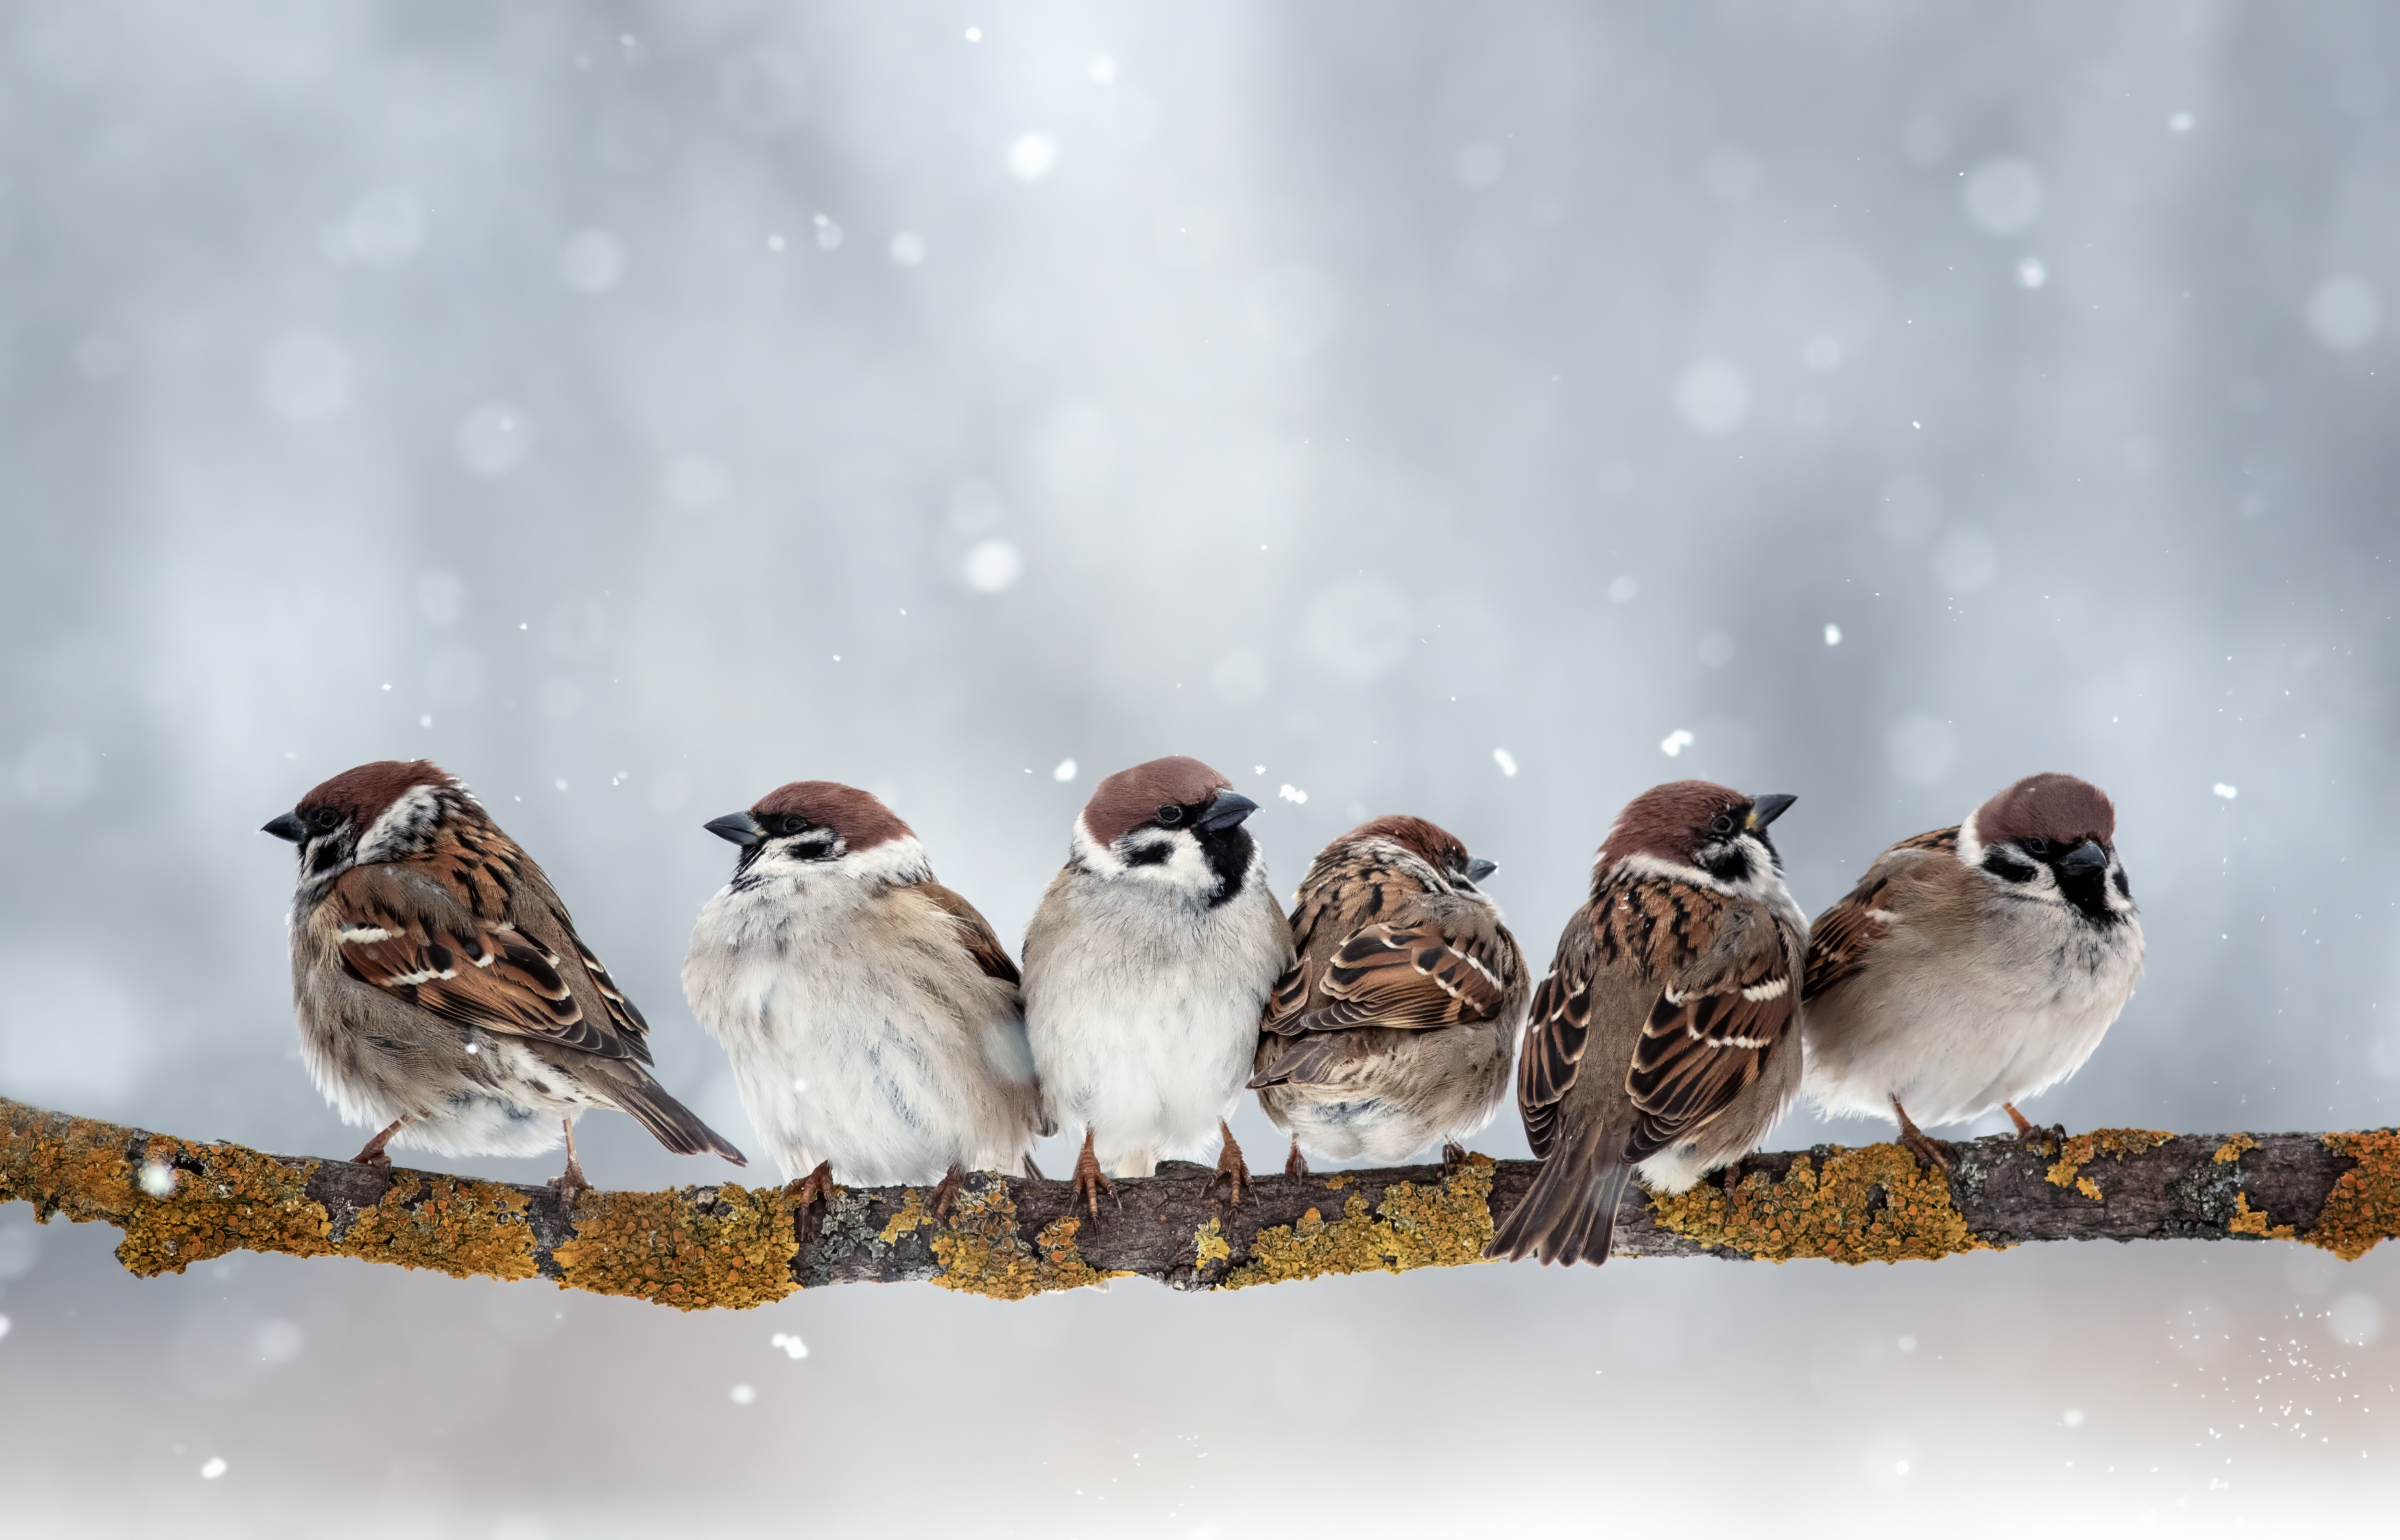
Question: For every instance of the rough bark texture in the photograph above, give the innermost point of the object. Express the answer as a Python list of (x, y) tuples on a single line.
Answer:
[(700, 1247)]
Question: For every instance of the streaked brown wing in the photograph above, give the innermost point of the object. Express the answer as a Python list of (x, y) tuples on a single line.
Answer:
[(632, 1026), (990, 955), (1699, 1052), (1556, 1029), (1412, 975), (406, 935), (1843, 935)]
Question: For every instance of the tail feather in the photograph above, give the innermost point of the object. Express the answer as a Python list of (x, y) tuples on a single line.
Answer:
[(669, 1121), (1568, 1216)]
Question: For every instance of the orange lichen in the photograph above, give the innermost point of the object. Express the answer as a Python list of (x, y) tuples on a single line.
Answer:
[(1412, 1227), (2234, 1149), (467, 1229), (704, 1248), (981, 1253), (2364, 1207), (2247, 1221), (912, 1217), (1209, 1246), (1871, 1204), (2083, 1149)]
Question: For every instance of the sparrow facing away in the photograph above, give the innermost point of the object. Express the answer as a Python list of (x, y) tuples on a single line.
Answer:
[(1662, 1042), (1394, 1028), (1974, 966), (441, 992), (872, 1018), (1147, 965)]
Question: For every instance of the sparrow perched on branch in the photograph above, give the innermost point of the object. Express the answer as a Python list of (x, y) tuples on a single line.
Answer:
[(1146, 967), (872, 1018), (1662, 1040), (1393, 1027), (442, 990), (1974, 966)]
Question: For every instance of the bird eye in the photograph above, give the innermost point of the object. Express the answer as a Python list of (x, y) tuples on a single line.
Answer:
[(1169, 815), (1721, 824), (791, 824), (2035, 846), (325, 818)]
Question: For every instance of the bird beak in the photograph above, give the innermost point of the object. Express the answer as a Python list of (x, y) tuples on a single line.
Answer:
[(285, 825), (1478, 868), (1766, 810), (739, 827), (2084, 859), (1229, 808)]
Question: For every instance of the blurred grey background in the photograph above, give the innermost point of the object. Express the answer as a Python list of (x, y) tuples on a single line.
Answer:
[(1475, 411)]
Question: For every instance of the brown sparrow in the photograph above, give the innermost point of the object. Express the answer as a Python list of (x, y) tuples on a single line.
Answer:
[(872, 1017), (1974, 966), (1393, 1027), (442, 990), (1662, 1042), (1147, 965)]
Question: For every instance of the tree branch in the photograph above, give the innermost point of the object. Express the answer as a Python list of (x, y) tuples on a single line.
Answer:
[(730, 1246)]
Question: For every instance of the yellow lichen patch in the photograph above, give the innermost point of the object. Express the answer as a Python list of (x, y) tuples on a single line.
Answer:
[(1209, 1246), (237, 1199), (1871, 1204), (980, 1252), (2247, 1221), (2234, 1149), (467, 1229), (1337, 1182), (1414, 1226), (2083, 1149), (676, 1250), (912, 1216), (2364, 1207)]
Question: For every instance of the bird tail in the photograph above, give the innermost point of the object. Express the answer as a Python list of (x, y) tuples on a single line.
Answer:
[(1568, 1215), (669, 1121)]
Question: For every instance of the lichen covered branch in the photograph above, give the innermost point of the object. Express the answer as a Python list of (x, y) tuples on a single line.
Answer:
[(731, 1246)]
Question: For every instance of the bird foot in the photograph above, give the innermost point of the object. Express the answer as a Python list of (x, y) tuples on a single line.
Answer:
[(1231, 1168), (1089, 1178), (1732, 1179), (1927, 1150), (569, 1185), (806, 1191), (945, 1193), (2029, 1132), (1295, 1165)]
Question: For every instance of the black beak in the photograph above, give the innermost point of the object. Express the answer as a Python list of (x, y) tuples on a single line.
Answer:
[(739, 827), (1766, 810), (2083, 860), (285, 825), (1478, 868), (1229, 808)]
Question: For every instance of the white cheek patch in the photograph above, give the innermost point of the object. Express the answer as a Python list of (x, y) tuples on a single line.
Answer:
[(396, 831)]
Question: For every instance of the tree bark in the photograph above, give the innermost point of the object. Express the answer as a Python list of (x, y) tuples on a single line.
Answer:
[(730, 1246)]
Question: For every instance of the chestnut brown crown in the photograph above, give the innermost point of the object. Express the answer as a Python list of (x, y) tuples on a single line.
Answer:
[(360, 795), (2065, 810), (1670, 821), (859, 817), (1132, 797), (1442, 849)]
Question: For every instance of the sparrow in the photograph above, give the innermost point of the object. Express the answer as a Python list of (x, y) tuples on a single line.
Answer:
[(1148, 964), (1393, 1027), (1974, 966), (1661, 1043), (873, 1019), (441, 992)]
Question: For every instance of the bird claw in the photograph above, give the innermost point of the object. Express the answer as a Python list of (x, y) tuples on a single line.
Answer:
[(945, 1193), (1295, 1165), (1732, 1179), (1927, 1150), (569, 1185), (1089, 1178), (1454, 1156), (806, 1192), (1230, 1164)]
